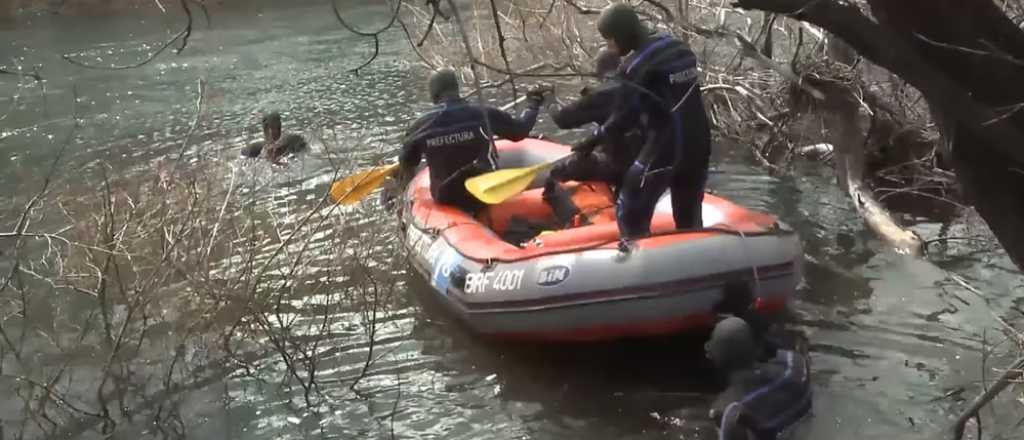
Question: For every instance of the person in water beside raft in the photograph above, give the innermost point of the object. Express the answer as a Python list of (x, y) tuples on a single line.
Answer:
[(762, 399), (457, 140), (660, 80), (274, 146), (611, 159)]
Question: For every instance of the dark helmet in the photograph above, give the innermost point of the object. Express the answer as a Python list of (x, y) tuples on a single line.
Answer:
[(272, 119), (618, 22), (732, 344), (606, 62), (442, 83), (272, 125)]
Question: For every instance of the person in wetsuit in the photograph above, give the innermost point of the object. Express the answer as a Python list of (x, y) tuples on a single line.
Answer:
[(659, 78), (455, 136), (762, 398), (610, 160), (274, 146)]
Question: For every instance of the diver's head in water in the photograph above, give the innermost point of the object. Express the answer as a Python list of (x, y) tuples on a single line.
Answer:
[(732, 346), (442, 85), (272, 126), (621, 28)]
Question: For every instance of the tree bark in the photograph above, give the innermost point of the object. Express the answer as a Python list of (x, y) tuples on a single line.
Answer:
[(967, 58)]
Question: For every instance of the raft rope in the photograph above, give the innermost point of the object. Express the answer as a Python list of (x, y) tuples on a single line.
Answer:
[(757, 277), (595, 245)]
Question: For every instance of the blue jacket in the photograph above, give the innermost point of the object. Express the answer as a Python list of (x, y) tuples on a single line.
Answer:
[(660, 80), (764, 400)]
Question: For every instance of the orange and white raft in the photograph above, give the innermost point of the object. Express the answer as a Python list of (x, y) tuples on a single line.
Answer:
[(575, 284)]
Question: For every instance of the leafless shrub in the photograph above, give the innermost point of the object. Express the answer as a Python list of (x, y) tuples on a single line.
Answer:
[(148, 289)]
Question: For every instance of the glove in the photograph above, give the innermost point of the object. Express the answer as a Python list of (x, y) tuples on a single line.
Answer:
[(585, 146), (536, 95)]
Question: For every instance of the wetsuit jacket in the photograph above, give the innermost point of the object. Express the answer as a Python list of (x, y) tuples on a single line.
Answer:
[(595, 108), (764, 400), (660, 80), (453, 136)]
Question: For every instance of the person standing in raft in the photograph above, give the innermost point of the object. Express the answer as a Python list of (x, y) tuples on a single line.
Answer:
[(659, 80), (274, 146), (762, 398), (609, 161), (454, 137)]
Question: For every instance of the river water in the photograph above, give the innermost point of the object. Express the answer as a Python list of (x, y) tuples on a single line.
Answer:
[(896, 342)]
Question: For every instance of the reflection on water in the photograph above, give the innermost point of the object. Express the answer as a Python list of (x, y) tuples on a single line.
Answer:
[(890, 335)]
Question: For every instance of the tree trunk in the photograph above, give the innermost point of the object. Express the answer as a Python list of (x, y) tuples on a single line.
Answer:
[(967, 58)]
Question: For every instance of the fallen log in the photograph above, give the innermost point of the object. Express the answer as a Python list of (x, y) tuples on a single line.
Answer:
[(875, 215), (841, 118)]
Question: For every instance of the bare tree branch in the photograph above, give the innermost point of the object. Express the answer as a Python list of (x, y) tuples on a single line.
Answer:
[(436, 6), (375, 35), (582, 9), (501, 46), (200, 93), (182, 35), (415, 47), (664, 9)]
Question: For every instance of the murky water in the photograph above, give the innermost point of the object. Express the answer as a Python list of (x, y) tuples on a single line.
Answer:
[(891, 335)]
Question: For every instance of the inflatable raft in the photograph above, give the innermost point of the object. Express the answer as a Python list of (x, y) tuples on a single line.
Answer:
[(575, 284)]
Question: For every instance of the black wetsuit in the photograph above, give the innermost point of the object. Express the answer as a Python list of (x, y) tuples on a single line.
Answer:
[(610, 160), (454, 138), (762, 401), (288, 144), (660, 80)]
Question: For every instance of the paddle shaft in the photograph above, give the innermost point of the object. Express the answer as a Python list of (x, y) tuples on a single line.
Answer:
[(506, 107)]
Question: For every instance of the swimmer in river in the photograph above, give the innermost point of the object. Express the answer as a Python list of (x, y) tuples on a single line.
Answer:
[(274, 146)]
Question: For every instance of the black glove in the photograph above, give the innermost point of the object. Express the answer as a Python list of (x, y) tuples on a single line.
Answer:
[(586, 146), (537, 94)]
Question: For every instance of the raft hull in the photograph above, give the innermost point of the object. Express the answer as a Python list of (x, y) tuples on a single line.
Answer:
[(576, 285)]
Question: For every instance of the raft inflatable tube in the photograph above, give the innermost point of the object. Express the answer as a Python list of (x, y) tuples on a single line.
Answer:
[(575, 284)]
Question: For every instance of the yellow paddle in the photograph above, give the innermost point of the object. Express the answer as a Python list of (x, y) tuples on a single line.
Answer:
[(497, 186), (354, 188)]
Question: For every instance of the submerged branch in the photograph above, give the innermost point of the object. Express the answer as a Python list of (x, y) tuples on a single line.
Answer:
[(34, 75)]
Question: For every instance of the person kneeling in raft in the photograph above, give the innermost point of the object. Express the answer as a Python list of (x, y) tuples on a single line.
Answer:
[(762, 398), (274, 146), (455, 138)]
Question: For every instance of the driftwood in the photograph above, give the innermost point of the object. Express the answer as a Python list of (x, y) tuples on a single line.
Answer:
[(842, 118)]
